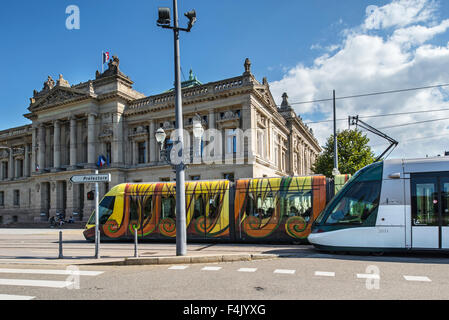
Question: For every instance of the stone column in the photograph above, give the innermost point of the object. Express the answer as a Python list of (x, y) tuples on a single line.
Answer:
[(26, 165), (41, 144), (57, 145), (91, 141), (48, 144), (1, 169), (33, 149), (117, 144), (152, 147), (73, 150), (11, 173)]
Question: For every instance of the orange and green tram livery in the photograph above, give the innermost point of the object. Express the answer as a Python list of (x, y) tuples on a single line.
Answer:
[(249, 210)]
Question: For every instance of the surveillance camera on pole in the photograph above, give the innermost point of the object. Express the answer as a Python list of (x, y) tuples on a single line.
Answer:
[(164, 19)]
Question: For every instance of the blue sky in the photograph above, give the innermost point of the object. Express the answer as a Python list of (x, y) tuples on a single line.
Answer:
[(282, 38)]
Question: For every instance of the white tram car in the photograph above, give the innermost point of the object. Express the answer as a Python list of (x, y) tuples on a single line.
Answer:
[(394, 205)]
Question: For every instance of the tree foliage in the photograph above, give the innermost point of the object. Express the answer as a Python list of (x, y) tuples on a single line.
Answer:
[(354, 153)]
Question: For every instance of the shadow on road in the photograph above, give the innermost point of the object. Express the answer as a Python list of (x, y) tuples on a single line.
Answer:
[(406, 257)]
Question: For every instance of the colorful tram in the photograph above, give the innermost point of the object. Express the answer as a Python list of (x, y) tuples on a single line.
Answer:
[(248, 210)]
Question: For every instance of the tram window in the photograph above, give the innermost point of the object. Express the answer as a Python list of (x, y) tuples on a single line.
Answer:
[(106, 207), (214, 204), (264, 206), (198, 208), (148, 208), (425, 213), (168, 207), (133, 207), (298, 204), (249, 205), (358, 201)]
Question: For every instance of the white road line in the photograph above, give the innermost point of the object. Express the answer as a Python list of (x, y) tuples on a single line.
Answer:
[(178, 267), (415, 278), (35, 283), (55, 272), (247, 270), (284, 271), (324, 274), (211, 268), (368, 276), (14, 297)]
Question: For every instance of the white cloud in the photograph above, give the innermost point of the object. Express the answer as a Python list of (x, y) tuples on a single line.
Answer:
[(399, 13), (389, 50)]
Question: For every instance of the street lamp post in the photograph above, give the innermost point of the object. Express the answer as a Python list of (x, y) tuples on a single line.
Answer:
[(164, 22)]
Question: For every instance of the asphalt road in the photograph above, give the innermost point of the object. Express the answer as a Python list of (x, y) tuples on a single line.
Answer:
[(315, 277), (302, 274)]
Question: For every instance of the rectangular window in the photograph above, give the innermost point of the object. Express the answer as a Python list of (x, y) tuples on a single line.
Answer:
[(16, 197), (141, 147), (231, 141), (5, 170), (2, 198), (168, 207), (297, 204), (20, 168), (425, 202), (195, 178), (108, 152)]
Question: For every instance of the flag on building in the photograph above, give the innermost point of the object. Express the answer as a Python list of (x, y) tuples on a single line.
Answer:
[(101, 161), (105, 57)]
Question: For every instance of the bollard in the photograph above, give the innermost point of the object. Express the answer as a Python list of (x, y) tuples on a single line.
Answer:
[(97, 245), (60, 246), (136, 254)]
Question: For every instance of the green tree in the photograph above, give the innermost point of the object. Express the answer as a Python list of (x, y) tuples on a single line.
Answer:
[(354, 153)]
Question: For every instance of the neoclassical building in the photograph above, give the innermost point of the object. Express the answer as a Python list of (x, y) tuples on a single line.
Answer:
[(72, 126)]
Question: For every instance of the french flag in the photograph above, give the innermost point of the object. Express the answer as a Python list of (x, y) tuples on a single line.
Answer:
[(101, 161), (105, 57)]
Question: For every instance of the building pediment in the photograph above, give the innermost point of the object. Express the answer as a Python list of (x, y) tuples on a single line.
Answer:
[(58, 95)]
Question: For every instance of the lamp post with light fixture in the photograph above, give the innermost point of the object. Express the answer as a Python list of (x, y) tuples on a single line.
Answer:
[(164, 21)]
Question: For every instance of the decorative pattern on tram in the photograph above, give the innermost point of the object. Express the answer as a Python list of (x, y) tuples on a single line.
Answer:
[(266, 209)]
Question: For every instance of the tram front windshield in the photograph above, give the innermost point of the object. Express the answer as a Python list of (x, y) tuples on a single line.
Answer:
[(106, 207), (357, 202)]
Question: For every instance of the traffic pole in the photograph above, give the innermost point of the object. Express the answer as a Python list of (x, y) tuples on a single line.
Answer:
[(97, 225), (181, 236)]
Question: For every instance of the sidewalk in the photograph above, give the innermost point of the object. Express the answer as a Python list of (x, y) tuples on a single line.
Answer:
[(40, 246)]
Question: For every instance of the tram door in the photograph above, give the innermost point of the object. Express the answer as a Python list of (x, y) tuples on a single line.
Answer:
[(430, 211)]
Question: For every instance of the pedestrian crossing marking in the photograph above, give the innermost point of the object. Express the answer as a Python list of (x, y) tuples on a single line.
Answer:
[(52, 272), (368, 276), (247, 270), (211, 268), (14, 297), (283, 271), (324, 274), (178, 267), (35, 283), (415, 278)]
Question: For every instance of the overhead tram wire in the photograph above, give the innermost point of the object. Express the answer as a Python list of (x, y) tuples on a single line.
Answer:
[(372, 94), (381, 115)]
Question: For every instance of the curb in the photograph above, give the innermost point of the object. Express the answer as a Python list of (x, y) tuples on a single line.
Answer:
[(186, 259)]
